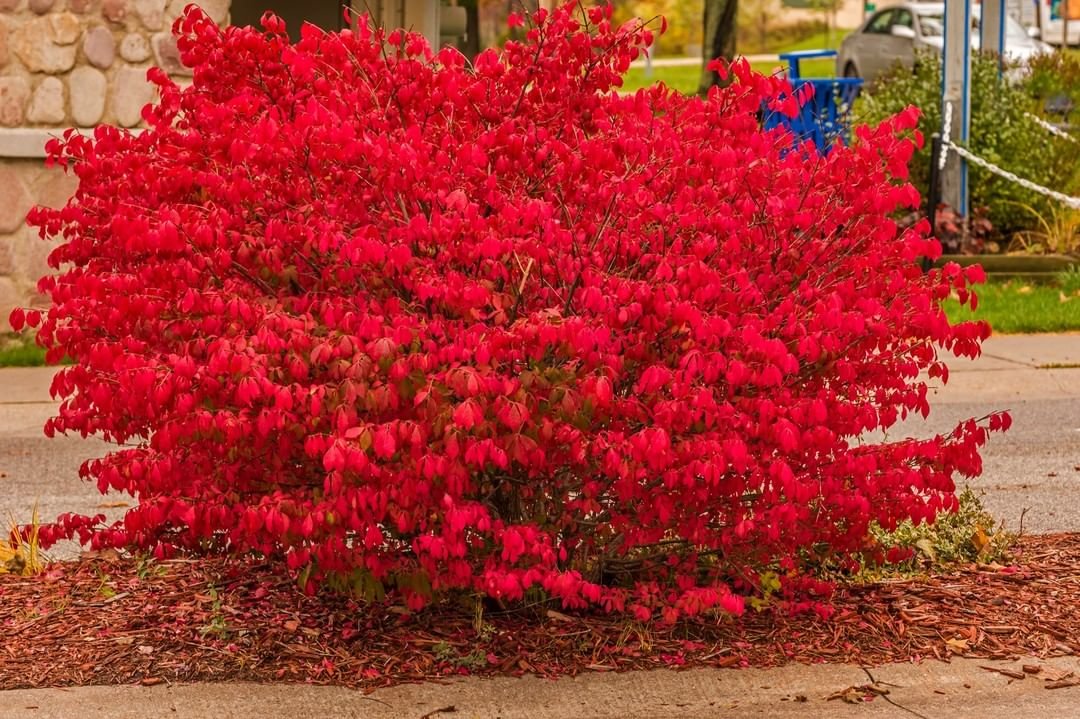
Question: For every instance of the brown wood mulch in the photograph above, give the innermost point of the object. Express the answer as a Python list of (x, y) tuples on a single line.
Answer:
[(113, 621)]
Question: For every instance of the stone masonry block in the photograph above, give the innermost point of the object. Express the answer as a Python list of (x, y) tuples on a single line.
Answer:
[(15, 200)]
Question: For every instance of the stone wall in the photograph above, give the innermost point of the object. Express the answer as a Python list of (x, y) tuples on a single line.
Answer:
[(68, 63), (23, 184)]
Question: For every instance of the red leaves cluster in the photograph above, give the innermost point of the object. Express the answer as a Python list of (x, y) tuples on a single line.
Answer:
[(415, 325)]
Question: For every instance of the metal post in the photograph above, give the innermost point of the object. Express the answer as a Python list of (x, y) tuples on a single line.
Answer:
[(992, 30), (956, 101), (1065, 12)]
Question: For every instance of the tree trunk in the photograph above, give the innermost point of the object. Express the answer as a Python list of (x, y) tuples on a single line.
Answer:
[(719, 39), (470, 46)]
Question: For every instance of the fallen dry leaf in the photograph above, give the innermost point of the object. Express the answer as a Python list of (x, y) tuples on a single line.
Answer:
[(850, 695), (959, 646)]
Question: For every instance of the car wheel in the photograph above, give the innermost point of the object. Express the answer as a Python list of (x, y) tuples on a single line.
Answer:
[(850, 70)]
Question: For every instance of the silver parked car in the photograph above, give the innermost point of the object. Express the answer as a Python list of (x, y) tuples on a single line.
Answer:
[(893, 34)]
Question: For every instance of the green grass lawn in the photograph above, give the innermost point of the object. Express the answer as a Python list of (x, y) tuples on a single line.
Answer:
[(1015, 306), (20, 351), (685, 78)]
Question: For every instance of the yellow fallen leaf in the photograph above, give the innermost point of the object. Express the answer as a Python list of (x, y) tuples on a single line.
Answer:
[(1025, 290), (926, 547), (958, 646), (850, 695), (980, 540), (1062, 297)]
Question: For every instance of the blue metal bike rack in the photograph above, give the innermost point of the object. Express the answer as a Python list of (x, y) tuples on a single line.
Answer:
[(825, 116)]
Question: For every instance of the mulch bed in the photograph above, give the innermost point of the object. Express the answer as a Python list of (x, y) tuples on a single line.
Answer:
[(118, 621)]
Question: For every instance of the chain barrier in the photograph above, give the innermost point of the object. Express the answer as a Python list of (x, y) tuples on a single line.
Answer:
[(1073, 202), (946, 134), (1051, 128), (948, 145)]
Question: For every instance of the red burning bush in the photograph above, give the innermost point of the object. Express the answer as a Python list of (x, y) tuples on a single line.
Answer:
[(417, 326)]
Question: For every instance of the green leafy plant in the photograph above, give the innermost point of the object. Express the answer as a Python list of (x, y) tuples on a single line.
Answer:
[(147, 568), (216, 624), (445, 653), (1053, 75), (1070, 281), (1055, 231), (105, 588), (971, 534), (20, 552), (1001, 132)]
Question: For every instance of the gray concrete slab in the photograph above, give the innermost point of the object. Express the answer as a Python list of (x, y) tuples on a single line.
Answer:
[(1004, 386), (1040, 350), (961, 689), (25, 384)]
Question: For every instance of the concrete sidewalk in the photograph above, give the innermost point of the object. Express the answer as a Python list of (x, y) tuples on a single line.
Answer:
[(1028, 367), (961, 689)]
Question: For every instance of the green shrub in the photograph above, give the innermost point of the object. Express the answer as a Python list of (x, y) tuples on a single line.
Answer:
[(1001, 132), (1054, 74), (971, 534)]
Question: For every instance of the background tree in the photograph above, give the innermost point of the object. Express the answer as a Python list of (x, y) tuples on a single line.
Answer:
[(470, 45), (719, 38), (683, 34)]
